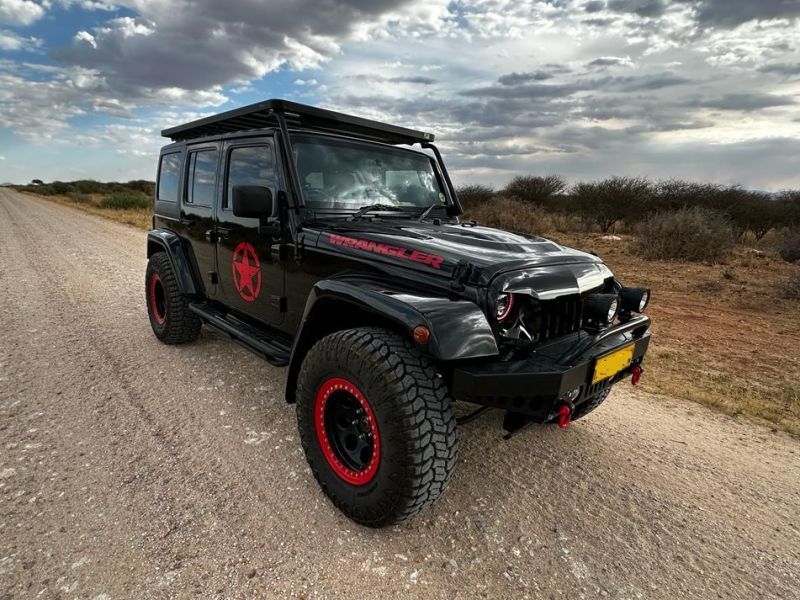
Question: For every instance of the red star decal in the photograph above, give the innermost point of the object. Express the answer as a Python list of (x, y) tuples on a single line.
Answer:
[(246, 271)]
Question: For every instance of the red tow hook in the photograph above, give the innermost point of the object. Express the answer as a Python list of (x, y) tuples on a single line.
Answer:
[(636, 374), (564, 416)]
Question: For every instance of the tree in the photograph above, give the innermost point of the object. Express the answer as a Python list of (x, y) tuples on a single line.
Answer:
[(37, 182), (472, 195), (612, 200), (535, 188)]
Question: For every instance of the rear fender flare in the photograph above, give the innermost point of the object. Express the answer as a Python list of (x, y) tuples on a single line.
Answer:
[(159, 240)]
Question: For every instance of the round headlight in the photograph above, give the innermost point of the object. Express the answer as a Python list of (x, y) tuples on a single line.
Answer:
[(505, 302), (613, 309)]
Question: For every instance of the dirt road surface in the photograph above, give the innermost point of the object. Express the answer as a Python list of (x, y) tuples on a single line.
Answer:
[(130, 469)]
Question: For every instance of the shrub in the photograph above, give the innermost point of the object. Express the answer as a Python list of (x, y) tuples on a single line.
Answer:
[(472, 195), (789, 246), (125, 200), (512, 214), (79, 198), (791, 287), (693, 234), (535, 188)]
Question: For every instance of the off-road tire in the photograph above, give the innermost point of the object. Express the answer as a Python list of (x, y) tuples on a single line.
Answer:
[(414, 416), (177, 324), (587, 407)]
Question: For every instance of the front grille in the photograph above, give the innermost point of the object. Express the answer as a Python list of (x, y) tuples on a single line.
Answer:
[(551, 319)]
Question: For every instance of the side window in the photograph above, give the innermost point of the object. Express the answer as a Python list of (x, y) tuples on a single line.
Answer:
[(249, 165), (202, 177), (168, 171)]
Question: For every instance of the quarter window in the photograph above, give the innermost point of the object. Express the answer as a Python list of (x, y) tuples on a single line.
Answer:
[(168, 171), (202, 181), (250, 165)]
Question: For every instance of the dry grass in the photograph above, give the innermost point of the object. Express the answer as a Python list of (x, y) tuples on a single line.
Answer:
[(91, 203)]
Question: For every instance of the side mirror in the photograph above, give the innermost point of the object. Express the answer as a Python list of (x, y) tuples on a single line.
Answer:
[(252, 201)]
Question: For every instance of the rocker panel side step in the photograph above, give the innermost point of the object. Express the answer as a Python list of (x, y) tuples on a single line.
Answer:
[(254, 339)]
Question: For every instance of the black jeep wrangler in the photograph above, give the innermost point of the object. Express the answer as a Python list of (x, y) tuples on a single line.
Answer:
[(332, 244)]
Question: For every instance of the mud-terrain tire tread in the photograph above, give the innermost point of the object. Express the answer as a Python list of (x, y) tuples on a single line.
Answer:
[(182, 325), (403, 384)]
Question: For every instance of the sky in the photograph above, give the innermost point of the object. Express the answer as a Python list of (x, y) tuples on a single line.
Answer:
[(705, 90)]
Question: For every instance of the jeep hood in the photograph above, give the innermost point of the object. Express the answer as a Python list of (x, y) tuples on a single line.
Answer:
[(442, 249)]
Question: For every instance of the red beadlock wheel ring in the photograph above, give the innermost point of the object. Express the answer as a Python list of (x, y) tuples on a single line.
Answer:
[(158, 314), (337, 388)]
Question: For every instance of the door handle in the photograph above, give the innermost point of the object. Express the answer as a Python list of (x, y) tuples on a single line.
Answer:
[(223, 233), (211, 236)]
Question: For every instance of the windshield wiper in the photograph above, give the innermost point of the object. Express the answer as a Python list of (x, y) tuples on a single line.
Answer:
[(428, 210), (371, 207)]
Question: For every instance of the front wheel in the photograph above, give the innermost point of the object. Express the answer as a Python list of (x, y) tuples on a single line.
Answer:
[(377, 426)]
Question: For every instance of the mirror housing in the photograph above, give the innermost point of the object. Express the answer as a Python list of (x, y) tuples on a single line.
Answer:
[(252, 201)]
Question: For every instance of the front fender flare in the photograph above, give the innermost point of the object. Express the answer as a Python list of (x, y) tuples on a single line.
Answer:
[(459, 329)]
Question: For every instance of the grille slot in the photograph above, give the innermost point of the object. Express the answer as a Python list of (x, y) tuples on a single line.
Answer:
[(552, 319)]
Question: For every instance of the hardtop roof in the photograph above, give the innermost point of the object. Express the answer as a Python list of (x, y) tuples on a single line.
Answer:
[(263, 114)]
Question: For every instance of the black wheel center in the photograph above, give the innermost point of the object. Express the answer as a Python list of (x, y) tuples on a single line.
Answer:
[(348, 428)]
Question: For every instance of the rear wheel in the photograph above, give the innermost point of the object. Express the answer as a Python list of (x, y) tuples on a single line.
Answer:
[(168, 309), (377, 425)]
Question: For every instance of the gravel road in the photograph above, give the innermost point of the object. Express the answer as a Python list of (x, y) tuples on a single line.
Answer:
[(130, 469)]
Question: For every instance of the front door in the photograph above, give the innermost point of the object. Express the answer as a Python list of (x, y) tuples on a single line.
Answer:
[(251, 275)]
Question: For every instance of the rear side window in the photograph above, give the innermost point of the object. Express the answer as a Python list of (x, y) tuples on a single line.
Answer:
[(168, 177), (250, 165), (202, 178)]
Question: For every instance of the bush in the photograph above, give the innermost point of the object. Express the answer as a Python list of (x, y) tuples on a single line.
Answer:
[(79, 198), (789, 246), (534, 188), (693, 234), (125, 200), (472, 195), (513, 215), (791, 287)]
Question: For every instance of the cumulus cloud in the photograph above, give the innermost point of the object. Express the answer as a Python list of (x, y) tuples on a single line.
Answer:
[(12, 42), (20, 12)]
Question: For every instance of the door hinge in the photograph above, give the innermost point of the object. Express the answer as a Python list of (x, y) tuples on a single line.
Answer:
[(279, 302), (213, 277)]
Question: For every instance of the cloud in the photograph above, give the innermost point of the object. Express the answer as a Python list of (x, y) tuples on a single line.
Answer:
[(518, 78), (205, 43), (13, 42), (731, 13), (746, 102), (643, 8), (20, 12), (611, 61), (784, 69)]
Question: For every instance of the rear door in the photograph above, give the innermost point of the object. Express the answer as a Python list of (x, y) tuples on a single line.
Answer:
[(251, 275)]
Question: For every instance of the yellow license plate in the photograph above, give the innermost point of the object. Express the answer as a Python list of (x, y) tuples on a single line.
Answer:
[(611, 364)]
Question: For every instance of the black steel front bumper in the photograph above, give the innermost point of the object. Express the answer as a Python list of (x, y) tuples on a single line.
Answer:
[(535, 386)]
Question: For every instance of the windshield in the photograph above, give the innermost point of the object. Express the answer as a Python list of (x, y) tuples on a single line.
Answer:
[(347, 175)]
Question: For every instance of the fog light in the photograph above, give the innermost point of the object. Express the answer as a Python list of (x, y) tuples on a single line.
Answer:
[(601, 309), (634, 299)]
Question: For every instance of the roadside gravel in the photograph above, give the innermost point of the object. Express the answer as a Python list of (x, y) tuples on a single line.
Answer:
[(130, 469)]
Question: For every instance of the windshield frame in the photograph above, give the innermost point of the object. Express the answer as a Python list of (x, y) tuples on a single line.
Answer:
[(405, 211)]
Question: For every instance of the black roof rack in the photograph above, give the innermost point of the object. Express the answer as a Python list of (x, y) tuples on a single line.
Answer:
[(262, 114)]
